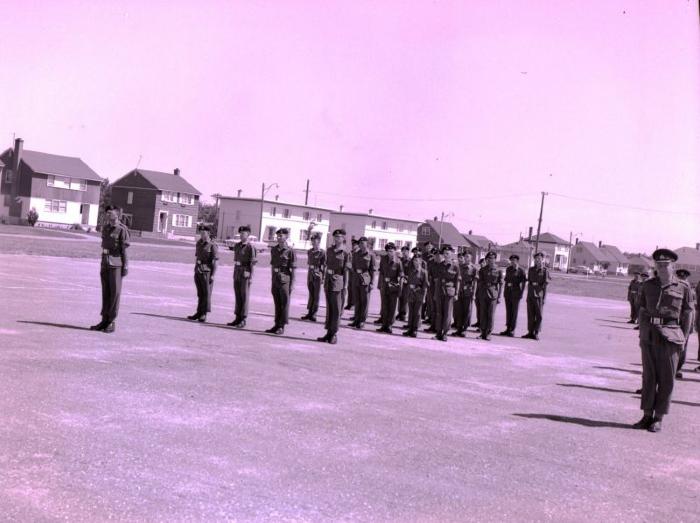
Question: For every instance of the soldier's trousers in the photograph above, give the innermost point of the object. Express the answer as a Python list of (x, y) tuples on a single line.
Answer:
[(512, 306), (443, 314), (477, 304), (313, 284), (334, 308), (204, 288), (633, 311), (390, 299), (427, 311), (111, 279), (241, 291), (415, 304), (463, 311), (349, 295), (487, 309), (280, 297), (659, 364), (403, 303), (534, 315), (361, 302)]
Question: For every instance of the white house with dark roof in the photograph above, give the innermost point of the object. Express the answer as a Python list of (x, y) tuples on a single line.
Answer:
[(438, 232), (479, 246), (63, 189), (620, 263), (556, 250), (379, 230), (157, 204)]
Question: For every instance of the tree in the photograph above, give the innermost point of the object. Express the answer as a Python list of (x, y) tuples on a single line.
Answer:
[(105, 199), (209, 214), (32, 216)]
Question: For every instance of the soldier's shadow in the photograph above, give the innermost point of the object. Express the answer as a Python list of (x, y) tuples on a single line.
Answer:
[(284, 336), (57, 325), (584, 422), (618, 369)]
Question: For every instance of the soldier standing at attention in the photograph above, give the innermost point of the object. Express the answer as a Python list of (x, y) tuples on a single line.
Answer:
[(417, 283), (491, 281), (477, 298), (448, 282), (354, 246), (682, 275), (114, 266), (206, 253), (363, 267), (632, 292), (403, 299), (245, 258), (283, 261), (314, 280), (463, 303), (664, 318), (428, 256), (513, 293), (538, 279), (383, 262), (391, 287), (432, 266), (336, 280)]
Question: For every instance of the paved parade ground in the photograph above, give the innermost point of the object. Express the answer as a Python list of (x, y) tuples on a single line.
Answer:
[(171, 420)]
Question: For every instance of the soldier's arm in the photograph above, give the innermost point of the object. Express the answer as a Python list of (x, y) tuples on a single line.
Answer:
[(372, 269), (324, 264), (253, 259), (125, 244), (214, 259), (499, 281), (292, 268), (686, 311)]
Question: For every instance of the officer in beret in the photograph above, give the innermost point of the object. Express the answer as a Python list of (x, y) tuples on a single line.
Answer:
[(380, 286), (448, 283), (463, 304), (283, 262), (403, 299), (363, 266), (664, 320), (391, 287), (682, 275), (433, 263), (428, 255), (632, 292), (514, 288), (113, 267), (417, 284), (538, 278), (316, 259), (338, 266), (491, 281), (245, 258), (477, 299), (206, 254)]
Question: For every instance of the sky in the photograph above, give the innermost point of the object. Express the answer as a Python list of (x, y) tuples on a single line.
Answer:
[(412, 109)]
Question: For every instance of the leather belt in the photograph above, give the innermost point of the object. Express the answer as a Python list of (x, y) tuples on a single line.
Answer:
[(105, 251), (657, 320)]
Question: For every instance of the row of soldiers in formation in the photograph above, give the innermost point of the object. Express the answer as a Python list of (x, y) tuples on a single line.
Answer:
[(425, 284)]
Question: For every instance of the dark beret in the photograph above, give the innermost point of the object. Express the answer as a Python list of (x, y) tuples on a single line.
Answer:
[(481, 260), (362, 239), (339, 232), (683, 273), (354, 242), (491, 254), (539, 254), (664, 255), (645, 274), (425, 244), (405, 248), (316, 236), (514, 257), (111, 208), (389, 246), (283, 230), (446, 247), (417, 254), (244, 228), (415, 250), (204, 228)]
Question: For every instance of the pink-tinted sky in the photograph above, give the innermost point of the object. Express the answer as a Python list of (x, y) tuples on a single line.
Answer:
[(414, 105)]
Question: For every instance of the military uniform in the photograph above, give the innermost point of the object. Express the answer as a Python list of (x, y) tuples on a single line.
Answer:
[(316, 259), (537, 281), (683, 275), (336, 279), (380, 286), (363, 267), (632, 297), (206, 255), (348, 294), (513, 292), (697, 319), (282, 262), (245, 258), (447, 286), (488, 294), (115, 241), (392, 282), (417, 283), (427, 310), (403, 298), (465, 300)]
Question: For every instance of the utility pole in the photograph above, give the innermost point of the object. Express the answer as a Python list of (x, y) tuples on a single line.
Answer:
[(442, 218), (539, 224), (306, 199)]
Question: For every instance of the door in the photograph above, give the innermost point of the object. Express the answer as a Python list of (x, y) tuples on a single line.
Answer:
[(163, 222), (85, 212)]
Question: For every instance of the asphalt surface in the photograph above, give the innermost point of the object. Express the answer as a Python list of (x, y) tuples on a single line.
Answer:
[(171, 420)]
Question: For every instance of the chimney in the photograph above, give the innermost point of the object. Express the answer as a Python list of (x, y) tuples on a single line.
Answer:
[(600, 244), (341, 207), (576, 241), (277, 197), (470, 232), (370, 211), (176, 172), (17, 156), (697, 246), (529, 234), (239, 193)]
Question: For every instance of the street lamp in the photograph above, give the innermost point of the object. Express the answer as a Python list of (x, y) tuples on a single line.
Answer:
[(262, 203), (568, 259), (443, 215)]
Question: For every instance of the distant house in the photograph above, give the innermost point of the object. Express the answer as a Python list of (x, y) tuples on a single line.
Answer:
[(640, 263), (520, 248), (63, 189), (441, 232), (620, 263), (157, 204), (590, 255), (379, 230), (478, 246), (556, 250), (689, 258)]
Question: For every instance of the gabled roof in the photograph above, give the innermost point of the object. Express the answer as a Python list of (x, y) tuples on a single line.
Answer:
[(480, 241), (520, 245), (163, 181), (548, 237), (597, 253), (450, 234), (615, 253), (688, 256), (45, 163), (373, 216), (277, 202), (637, 259)]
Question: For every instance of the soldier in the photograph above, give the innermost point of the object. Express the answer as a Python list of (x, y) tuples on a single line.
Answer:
[(383, 263), (354, 246), (664, 318), (463, 303), (477, 304), (682, 275), (113, 267), (432, 266), (336, 279), (513, 293), (206, 254), (403, 299), (417, 283), (428, 256), (283, 261), (245, 258), (363, 267), (391, 287), (316, 258), (645, 277), (538, 279), (447, 285), (491, 281), (632, 292)]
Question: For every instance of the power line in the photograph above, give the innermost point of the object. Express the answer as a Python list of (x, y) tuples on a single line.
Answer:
[(474, 198), (621, 206)]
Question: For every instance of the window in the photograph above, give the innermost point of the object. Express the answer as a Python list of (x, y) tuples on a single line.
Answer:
[(285, 213), (384, 226), (319, 217), (374, 224), (182, 220), (187, 199), (55, 206), (271, 233), (273, 212), (77, 184), (8, 176), (130, 197), (168, 196), (303, 234), (425, 230), (382, 243), (398, 243), (307, 216), (61, 182)]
